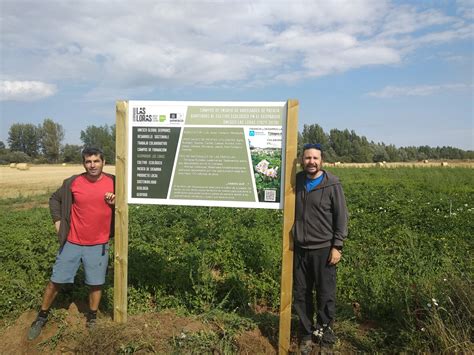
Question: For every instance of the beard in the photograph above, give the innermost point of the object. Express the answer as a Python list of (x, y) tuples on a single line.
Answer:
[(312, 169)]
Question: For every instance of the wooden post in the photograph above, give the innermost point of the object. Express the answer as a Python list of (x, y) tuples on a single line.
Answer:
[(121, 214), (288, 220)]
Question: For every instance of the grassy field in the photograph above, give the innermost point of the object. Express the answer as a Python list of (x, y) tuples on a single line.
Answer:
[(404, 284)]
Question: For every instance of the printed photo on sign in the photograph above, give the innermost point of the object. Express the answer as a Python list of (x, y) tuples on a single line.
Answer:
[(265, 151)]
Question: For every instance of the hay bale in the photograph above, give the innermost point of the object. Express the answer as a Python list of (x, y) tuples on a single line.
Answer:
[(444, 163), (13, 165), (22, 166), (380, 164), (426, 161), (337, 163), (63, 164)]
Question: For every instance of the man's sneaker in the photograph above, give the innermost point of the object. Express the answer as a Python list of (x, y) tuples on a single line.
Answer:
[(329, 338), (306, 347), (318, 334), (91, 321), (36, 327)]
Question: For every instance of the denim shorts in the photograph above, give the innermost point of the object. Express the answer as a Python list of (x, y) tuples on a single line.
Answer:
[(94, 259)]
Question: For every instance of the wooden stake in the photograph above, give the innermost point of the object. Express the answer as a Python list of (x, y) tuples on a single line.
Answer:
[(121, 214), (288, 220)]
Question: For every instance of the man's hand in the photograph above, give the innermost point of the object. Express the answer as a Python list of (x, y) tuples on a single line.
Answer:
[(57, 224), (110, 198), (334, 256)]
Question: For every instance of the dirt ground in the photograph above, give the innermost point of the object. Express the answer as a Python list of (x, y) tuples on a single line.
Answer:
[(159, 333)]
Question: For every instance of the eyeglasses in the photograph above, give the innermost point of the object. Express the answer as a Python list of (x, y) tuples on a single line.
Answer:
[(313, 146)]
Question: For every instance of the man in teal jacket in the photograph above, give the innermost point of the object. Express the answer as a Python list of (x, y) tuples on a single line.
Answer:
[(319, 231)]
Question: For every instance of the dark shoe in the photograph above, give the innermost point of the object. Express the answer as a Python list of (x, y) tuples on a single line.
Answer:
[(36, 327), (318, 334), (328, 338), (91, 321), (306, 346)]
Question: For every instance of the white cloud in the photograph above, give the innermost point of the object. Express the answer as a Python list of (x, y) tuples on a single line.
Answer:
[(419, 90), (146, 44), (25, 90), (466, 8)]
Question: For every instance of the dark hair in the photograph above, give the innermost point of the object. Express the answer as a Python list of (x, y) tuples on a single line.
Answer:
[(316, 146), (88, 151)]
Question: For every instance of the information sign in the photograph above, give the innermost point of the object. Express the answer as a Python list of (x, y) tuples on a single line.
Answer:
[(226, 154)]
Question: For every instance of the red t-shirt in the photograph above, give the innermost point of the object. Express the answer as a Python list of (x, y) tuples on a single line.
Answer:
[(90, 214)]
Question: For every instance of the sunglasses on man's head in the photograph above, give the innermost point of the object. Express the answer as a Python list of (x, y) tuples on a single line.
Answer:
[(313, 146)]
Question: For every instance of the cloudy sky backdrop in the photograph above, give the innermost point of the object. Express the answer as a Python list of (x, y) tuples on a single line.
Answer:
[(398, 72)]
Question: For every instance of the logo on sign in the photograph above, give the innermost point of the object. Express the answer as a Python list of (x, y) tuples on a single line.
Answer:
[(140, 115)]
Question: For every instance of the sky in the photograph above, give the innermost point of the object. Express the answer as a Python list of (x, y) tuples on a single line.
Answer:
[(397, 72)]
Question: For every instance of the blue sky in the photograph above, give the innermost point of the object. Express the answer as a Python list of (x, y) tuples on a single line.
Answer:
[(398, 72)]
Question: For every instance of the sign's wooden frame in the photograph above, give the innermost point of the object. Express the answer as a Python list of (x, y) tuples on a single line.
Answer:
[(121, 219)]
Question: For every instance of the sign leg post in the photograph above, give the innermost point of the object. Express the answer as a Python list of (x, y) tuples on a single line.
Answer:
[(121, 215), (288, 219)]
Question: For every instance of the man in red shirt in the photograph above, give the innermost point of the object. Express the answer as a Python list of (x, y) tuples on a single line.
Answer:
[(82, 210)]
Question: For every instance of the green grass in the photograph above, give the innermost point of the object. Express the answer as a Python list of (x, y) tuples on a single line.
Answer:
[(410, 242)]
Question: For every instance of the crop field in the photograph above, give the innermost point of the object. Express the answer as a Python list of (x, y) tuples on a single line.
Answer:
[(404, 283), (37, 180)]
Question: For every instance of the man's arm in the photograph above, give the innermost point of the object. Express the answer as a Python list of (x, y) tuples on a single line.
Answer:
[(55, 202), (340, 219), (340, 216)]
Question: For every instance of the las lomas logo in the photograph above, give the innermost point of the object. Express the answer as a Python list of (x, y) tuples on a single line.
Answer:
[(140, 115)]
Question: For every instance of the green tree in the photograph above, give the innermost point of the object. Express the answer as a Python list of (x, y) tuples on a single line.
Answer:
[(341, 143), (315, 134), (410, 153), (2, 145), (102, 137), (393, 153), (7, 157), (361, 151), (380, 153), (24, 138), (71, 153), (52, 135)]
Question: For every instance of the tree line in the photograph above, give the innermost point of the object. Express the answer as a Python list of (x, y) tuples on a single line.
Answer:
[(347, 147), (43, 144)]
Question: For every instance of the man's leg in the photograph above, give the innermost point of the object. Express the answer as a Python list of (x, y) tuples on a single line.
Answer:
[(50, 294), (326, 297), (303, 294), (95, 261), (95, 293), (64, 270)]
